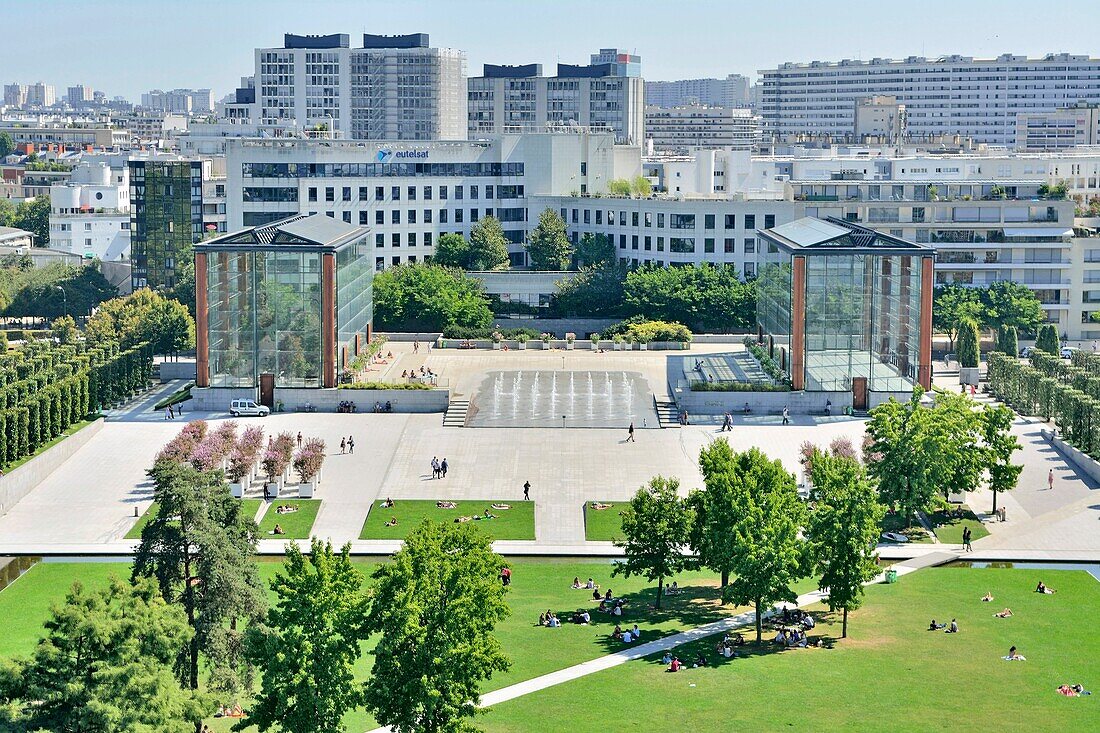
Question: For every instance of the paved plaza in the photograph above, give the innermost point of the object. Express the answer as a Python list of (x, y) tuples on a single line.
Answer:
[(88, 504)]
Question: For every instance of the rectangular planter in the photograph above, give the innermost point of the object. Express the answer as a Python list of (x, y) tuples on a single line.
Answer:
[(569, 345), (496, 346), (643, 347), (521, 345), (237, 490), (618, 345), (273, 489), (546, 345), (306, 489)]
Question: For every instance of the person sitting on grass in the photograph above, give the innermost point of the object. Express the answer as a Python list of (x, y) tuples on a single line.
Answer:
[(388, 503), (933, 626), (278, 530), (672, 590), (392, 522), (808, 622), (987, 597), (781, 638), (700, 660), (596, 594), (542, 619), (602, 608), (446, 505), (953, 628), (1014, 656), (553, 621), (628, 637), (607, 596), (1041, 588), (590, 585), (675, 665), (617, 634), (636, 632), (576, 583), (617, 610), (585, 617), (667, 658), (1072, 690)]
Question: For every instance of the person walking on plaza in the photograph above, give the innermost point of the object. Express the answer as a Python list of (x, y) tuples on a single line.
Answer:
[(299, 438), (630, 433), (443, 468), (343, 445), (435, 467), (351, 444), (1050, 480), (527, 491), (416, 347), (966, 540), (786, 415)]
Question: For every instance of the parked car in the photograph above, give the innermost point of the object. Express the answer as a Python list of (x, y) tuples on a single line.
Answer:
[(1025, 352), (248, 408), (1067, 351)]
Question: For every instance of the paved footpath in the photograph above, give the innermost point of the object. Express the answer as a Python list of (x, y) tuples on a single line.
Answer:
[(664, 643)]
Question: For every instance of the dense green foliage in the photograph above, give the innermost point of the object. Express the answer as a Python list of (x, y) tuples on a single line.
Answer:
[(45, 387), (548, 246), (7, 145), (767, 363), (307, 649), (594, 292), (32, 215), (713, 511), (1008, 341), (428, 297), (54, 290), (1047, 340), (655, 533), (487, 248), (144, 316), (199, 548), (452, 250), (508, 334), (1001, 304), (706, 298), (435, 606), (595, 250), (968, 353), (643, 331), (104, 666)]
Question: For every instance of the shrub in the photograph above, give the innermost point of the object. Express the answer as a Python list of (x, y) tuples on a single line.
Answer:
[(386, 385), (967, 344), (700, 386), (768, 364), (457, 332), (650, 331), (1047, 339), (1007, 341), (309, 459)]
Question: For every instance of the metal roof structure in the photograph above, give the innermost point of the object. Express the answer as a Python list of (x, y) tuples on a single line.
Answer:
[(836, 235), (312, 232)]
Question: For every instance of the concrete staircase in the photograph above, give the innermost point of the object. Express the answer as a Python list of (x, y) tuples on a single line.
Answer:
[(667, 413), (455, 416)]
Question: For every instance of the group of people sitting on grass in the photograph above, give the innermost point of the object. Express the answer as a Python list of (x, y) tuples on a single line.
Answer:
[(582, 617), (277, 529), (285, 509), (627, 637), (1041, 588), (549, 620), (952, 628), (476, 517), (675, 665), (794, 637), (726, 646), (446, 505), (1072, 690)]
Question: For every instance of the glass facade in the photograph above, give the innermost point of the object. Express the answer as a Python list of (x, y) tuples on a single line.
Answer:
[(165, 218), (354, 294), (773, 301), (862, 320)]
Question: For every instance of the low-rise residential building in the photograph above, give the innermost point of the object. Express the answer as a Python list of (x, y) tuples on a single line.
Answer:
[(90, 215), (1061, 129)]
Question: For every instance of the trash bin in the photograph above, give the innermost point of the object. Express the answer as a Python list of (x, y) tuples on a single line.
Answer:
[(891, 576)]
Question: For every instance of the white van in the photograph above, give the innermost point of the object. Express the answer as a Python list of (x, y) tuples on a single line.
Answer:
[(248, 408)]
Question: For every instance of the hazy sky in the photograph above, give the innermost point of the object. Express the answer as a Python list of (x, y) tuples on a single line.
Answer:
[(130, 46)]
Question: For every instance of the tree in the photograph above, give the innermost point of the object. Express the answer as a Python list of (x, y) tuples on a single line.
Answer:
[(452, 250), (641, 187), (548, 247), (144, 316), (307, 650), (1009, 303), (1000, 444), (594, 292), (56, 290), (435, 605), (104, 666), (428, 297), (1007, 341), (199, 547), (655, 531), (595, 250), (7, 145), (952, 304), (766, 554), (488, 245), (842, 530), (914, 451), (706, 298), (1047, 339), (619, 187), (34, 216), (64, 329), (713, 510), (968, 353)]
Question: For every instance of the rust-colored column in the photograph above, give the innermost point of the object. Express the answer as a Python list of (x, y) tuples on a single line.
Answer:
[(357, 346), (328, 320), (202, 316), (924, 365), (798, 323)]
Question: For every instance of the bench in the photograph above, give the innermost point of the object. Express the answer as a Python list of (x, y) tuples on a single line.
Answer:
[(307, 407)]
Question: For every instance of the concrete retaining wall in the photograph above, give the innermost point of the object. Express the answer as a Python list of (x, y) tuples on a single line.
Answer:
[(1086, 463), (182, 369), (325, 400), (423, 338), (18, 483), (799, 403), (720, 338), (211, 399)]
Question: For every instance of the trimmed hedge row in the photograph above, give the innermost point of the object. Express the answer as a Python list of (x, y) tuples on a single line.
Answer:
[(700, 386), (45, 387), (767, 363)]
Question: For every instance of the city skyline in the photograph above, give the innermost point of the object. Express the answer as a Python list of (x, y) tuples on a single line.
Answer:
[(487, 35)]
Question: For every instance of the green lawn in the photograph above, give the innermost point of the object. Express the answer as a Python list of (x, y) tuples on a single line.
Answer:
[(251, 507), (295, 526), (517, 523), (949, 529), (604, 525), (896, 523), (890, 674), (74, 428)]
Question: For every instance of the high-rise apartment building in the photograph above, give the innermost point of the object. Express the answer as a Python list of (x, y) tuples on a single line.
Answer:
[(179, 101), (733, 91), (41, 95), (976, 98), (15, 95), (393, 88), (605, 94), (79, 95), (165, 218), (1058, 130), (679, 129)]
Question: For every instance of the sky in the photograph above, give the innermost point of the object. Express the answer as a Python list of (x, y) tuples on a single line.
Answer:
[(126, 47)]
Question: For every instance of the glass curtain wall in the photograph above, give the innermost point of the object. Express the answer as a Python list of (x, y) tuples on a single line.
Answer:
[(773, 301), (354, 288), (231, 319)]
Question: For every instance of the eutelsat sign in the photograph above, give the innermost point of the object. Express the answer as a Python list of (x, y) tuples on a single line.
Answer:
[(385, 156)]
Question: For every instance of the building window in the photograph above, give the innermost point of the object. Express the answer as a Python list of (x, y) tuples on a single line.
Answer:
[(379, 240), (362, 217), (648, 243), (634, 218), (769, 221), (731, 221), (395, 193), (708, 245), (442, 193), (412, 239), (427, 193), (442, 216), (683, 245), (458, 216), (660, 244), (427, 216), (708, 221), (347, 217), (427, 239), (473, 215), (750, 269), (473, 193), (411, 216), (750, 245), (346, 193), (458, 193), (622, 218), (395, 239), (488, 192), (395, 216), (729, 246), (313, 193), (681, 221), (330, 193), (412, 193), (379, 217), (622, 241), (660, 221), (648, 219), (599, 216), (362, 193), (587, 216), (634, 241), (574, 215), (750, 221), (379, 193)]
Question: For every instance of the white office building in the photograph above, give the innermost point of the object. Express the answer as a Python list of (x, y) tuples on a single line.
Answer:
[(80, 95), (680, 129), (90, 215), (15, 95), (393, 88), (608, 93), (976, 98), (733, 91), (1058, 130), (411, 193)]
